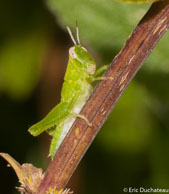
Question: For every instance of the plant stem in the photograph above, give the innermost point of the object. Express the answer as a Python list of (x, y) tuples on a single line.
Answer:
[(123, 68)]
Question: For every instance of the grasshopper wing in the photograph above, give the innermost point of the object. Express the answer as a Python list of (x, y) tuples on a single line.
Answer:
[(55, 116)]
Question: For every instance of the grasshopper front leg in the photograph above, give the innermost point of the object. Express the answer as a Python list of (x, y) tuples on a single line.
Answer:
[(96, 76), (100, 70)]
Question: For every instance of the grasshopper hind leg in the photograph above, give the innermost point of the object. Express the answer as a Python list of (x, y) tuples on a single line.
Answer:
[(51, 130), (62, 130), (55, 141)]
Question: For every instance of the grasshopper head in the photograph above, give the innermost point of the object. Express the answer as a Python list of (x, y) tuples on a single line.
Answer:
[(81, 55)]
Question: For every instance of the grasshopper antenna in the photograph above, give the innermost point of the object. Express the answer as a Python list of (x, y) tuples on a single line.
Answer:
[(71, 35), (77, 33)]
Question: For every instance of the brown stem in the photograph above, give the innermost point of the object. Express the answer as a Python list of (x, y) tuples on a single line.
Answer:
[(123, 68)]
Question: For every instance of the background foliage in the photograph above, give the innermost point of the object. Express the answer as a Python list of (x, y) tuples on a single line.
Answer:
[(132, 147)]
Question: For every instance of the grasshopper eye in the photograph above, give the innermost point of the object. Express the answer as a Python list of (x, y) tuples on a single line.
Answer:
[(72, 53)]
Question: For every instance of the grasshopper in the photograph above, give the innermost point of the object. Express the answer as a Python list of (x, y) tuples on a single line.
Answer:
[(76, 89)]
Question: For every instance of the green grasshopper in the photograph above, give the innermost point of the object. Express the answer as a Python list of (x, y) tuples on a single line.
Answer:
[(76, 89)]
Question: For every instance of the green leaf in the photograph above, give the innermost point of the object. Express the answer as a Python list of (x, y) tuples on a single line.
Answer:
[(102, 24), (20, 60), (106, 25)]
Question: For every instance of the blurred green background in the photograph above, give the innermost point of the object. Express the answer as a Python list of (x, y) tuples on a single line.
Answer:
[(132, 149)]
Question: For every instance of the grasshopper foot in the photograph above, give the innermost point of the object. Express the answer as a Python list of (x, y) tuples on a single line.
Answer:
[(82, 117)]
